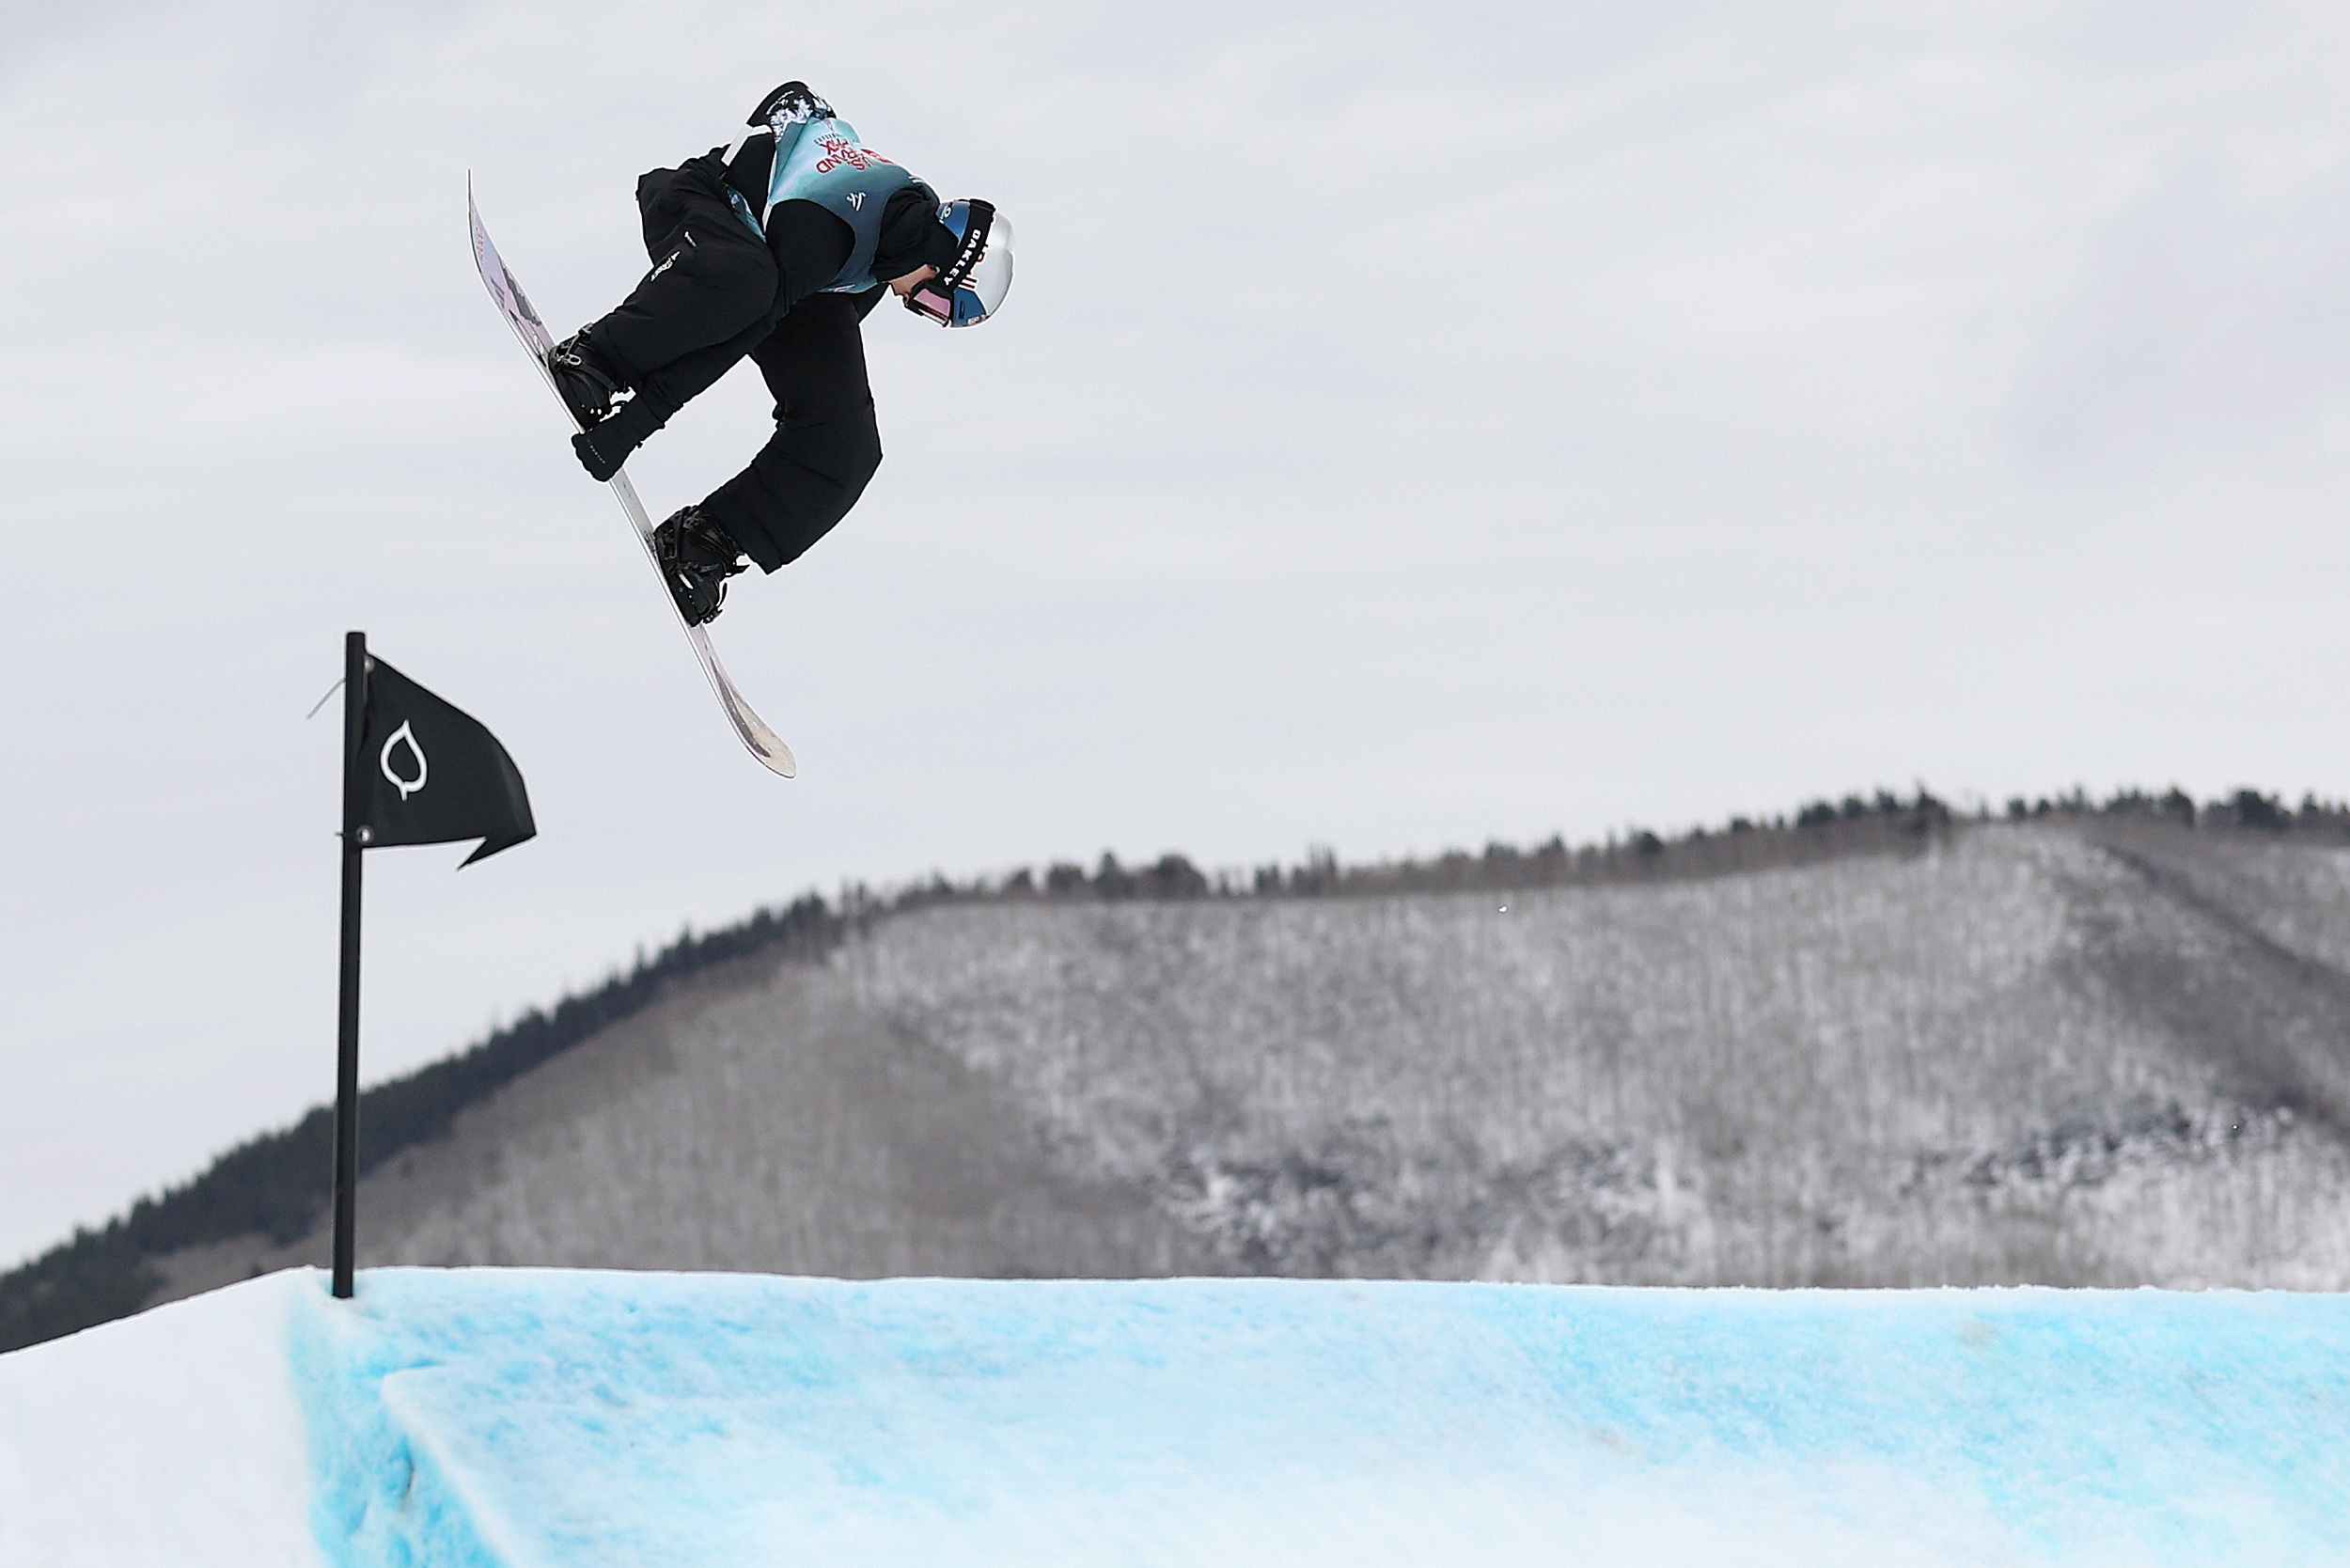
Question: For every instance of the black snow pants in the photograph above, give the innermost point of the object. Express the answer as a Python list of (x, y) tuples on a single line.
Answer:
[(716, 294)]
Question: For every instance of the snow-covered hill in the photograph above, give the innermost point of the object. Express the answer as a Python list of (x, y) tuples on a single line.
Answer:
[(537, 1419), (2097, 1055)]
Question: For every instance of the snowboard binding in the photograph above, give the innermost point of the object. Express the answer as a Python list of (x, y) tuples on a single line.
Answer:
[(696, 556), (586, 381)]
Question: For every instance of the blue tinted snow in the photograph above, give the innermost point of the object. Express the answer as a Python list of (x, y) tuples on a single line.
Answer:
[(543, 1417)]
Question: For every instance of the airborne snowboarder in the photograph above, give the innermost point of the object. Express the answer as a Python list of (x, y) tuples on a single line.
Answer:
[(777, 249)]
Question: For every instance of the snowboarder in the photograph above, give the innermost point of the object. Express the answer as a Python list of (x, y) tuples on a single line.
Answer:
[(777, 249)]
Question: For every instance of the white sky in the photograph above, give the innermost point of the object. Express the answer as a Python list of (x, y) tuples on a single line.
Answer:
[(1411, 427)]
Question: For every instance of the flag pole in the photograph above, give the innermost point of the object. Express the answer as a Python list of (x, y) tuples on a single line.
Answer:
[(347, 1023)]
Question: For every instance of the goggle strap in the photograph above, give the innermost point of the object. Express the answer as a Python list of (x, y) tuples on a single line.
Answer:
[(975, 233)]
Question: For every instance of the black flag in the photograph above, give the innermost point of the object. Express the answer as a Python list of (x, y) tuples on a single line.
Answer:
[(432, 773), (416, 770)]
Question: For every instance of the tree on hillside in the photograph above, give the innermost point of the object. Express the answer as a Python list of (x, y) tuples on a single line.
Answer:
[(1173, 877), (2251, 808), (1112, 880)]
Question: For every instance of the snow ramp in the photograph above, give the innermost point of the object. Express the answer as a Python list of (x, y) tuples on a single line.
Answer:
[(560, 1418)]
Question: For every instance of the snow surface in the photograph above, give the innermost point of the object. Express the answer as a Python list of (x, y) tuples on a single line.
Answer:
[(171, 1440), (532, 1418)]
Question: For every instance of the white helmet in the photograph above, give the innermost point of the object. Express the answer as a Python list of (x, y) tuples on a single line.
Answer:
[(967, 290)]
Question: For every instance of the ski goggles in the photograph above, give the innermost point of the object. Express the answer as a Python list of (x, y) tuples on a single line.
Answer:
[(968, 290), (934, 301)]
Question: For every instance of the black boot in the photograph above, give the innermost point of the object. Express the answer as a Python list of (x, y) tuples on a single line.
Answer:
[(697, 558), (587, 381)]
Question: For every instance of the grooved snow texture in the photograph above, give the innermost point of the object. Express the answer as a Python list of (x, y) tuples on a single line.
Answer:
[(538, 1419), (533, 1419)]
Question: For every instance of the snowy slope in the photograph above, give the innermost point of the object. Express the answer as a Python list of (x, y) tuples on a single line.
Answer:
[(2015, 1060), (173, 1439), (536, 1418), (2025, 1057)]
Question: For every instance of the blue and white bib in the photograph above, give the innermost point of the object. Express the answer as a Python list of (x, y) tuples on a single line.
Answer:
[(821, 161)]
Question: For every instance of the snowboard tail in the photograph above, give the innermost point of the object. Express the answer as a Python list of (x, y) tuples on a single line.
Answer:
[(759, 740)]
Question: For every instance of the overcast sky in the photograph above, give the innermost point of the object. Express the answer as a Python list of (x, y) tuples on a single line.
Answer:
[(1411, 425)]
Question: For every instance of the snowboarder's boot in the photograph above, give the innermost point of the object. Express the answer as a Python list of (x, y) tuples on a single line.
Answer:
[(697, 558), (586, 379)]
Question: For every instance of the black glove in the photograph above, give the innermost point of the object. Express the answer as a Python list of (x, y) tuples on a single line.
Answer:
[(792, 100), (603, 448)]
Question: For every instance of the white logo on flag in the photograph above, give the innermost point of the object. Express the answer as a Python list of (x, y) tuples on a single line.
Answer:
[(403, 736)]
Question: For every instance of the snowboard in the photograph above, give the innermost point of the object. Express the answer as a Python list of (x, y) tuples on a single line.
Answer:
[(763, 743)]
